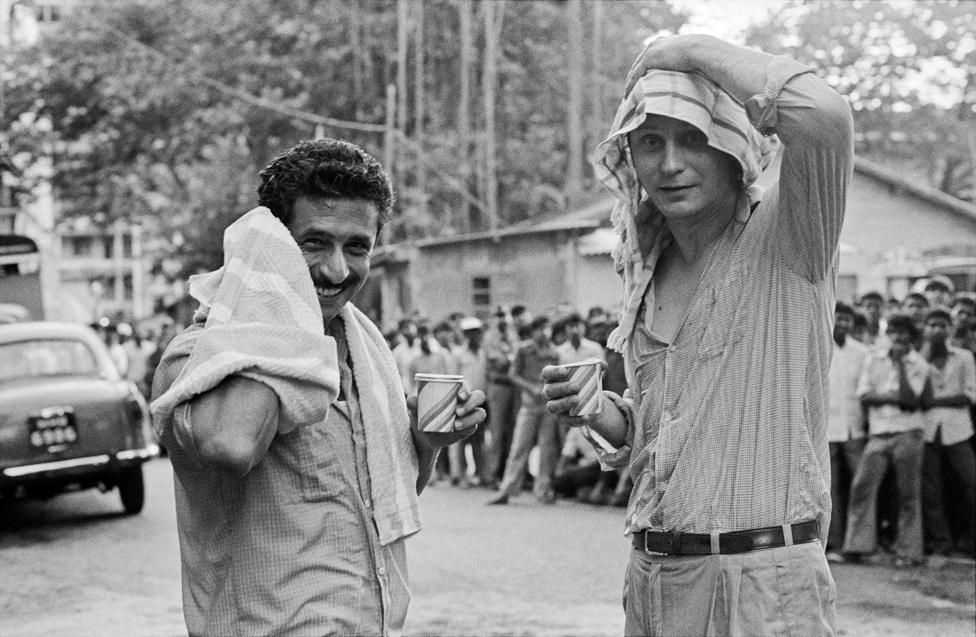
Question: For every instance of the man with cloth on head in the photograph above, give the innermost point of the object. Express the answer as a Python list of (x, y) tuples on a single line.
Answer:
[(297, 459), (726, 332)]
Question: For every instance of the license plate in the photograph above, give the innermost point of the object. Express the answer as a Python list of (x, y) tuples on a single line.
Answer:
[(55, 426)]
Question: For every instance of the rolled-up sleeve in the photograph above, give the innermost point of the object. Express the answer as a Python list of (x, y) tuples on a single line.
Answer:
[(176, 427)]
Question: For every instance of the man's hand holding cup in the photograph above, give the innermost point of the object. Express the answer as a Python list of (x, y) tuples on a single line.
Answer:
[(574, 391), (445, 410)]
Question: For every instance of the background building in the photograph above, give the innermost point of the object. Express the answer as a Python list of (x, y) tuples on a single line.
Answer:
[(894, 233)]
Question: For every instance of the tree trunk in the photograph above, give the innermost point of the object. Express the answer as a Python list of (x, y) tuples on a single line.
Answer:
[(418, 120), (358, 53), (403, 20), (573, 185), (597, 125), (493, 13), (467, 214)]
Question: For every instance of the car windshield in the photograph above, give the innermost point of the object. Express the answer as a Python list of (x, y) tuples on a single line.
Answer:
[(32, 359)]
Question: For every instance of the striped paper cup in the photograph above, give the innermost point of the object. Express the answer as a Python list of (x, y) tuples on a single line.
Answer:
[(589, 375), (436, 401)]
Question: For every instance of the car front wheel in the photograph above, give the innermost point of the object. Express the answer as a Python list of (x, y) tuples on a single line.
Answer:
[(132, 490)]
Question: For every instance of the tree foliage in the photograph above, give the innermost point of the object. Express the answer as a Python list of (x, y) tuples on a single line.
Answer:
[(908, 70), (151, 110)]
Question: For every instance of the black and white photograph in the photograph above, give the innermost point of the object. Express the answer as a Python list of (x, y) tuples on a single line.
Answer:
[(464, 318)]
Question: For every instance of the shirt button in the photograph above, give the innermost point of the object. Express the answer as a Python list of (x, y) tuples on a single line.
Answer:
[(381, 570), (367, 503), (671, 348)]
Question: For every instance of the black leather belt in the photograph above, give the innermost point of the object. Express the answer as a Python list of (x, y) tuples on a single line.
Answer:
[(675, 543)]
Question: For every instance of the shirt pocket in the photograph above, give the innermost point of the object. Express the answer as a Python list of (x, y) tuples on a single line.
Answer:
[(312, 461), (722, 307)]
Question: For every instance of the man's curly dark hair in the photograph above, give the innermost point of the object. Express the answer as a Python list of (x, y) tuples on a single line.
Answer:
[(324, 168)]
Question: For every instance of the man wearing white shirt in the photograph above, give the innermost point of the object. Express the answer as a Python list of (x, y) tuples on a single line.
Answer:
[(894, 385), (948, 427), (577, 347), (846, 433)]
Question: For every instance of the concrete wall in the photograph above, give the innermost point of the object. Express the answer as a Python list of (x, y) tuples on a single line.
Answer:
[(598, 283), (534, 270), (887, 229)]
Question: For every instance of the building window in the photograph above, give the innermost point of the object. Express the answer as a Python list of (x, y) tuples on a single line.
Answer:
[(46, 12), (481, 292)]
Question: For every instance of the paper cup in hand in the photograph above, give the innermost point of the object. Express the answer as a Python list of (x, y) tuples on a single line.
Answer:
[(588, 375), (437, 398)]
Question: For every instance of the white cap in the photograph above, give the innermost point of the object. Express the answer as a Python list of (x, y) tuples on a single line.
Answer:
[(470, 323)]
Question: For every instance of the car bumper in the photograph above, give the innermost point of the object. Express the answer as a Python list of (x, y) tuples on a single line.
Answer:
[(101, 463)]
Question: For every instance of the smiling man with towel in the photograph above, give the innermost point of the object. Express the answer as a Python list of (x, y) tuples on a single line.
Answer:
[(297, 460)]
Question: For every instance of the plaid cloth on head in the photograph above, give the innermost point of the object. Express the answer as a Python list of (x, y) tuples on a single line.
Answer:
[(692, 98)]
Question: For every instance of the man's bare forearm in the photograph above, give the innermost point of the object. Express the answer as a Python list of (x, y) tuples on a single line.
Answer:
[(426, 460), (234, 423), (611, 423)]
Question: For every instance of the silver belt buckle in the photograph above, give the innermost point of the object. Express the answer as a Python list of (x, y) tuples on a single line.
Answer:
[(649, 551)]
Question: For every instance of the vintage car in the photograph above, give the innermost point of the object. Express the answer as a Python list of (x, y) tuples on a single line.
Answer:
[(68, 419)]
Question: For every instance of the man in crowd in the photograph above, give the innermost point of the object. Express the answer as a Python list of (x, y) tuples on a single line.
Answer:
[(499, 347), (577, 348), (916, 305), (534, 425), (405, 351), (963, 312), (938, 290), (872, 304), (845, 425), (726, 327), (471, 363), (578, 470), (948, 428), (894, 386), (297, 459)]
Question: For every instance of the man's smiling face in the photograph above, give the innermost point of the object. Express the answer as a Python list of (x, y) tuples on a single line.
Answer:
[(336, 237)]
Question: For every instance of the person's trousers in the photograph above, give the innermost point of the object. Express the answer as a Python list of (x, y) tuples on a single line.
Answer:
[(961, 463), (501, 425), (903, 451), (568, 481), (776, 591), (844, 459), (458, 460), (534, 425)]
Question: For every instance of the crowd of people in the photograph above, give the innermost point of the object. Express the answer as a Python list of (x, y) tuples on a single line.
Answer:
[(521, 445), (902, 457), (902, 394), (135, 350)]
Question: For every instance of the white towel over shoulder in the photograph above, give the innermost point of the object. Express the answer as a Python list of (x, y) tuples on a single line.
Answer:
[(263, 321)]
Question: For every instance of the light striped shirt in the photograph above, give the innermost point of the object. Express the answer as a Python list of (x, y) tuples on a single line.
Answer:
[(880, 375), (291, 548), (846, 418), (587, 349), (727, 426), (957, 377)]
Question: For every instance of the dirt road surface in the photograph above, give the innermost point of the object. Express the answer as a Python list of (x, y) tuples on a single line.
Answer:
[(76, 567)]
